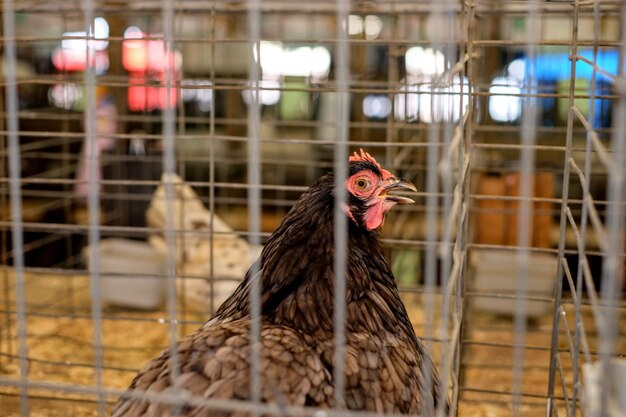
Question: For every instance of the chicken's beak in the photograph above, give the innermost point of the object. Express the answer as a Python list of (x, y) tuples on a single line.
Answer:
[(393, 184)]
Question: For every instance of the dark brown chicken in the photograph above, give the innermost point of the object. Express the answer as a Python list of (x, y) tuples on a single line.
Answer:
[(386, 365)]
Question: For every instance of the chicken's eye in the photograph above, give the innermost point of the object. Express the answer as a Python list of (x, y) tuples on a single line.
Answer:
[(362, 183)]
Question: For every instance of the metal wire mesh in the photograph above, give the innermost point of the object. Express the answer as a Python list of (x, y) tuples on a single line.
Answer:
[(510, 116)]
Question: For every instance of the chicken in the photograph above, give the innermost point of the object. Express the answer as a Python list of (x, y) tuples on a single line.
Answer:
[(386, 365), (231, 255)]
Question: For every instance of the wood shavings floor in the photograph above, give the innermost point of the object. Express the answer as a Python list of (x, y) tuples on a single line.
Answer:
[(60, 340)]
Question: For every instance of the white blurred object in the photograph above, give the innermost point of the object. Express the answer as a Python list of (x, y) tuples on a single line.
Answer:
[(495, 271), (616, 384), (505, 103), (131, 273), (231, 254)]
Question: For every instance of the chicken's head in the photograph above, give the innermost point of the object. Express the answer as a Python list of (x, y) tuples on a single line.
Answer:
[(369, 186)]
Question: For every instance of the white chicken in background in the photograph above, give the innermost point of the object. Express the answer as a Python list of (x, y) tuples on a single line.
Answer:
[(231, 257)]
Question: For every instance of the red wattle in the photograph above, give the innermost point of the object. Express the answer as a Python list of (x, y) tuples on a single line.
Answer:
[(374, 216)]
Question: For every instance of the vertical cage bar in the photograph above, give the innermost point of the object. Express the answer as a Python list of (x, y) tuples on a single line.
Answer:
[(391, 130), (168, 120), (432, 212), (556, 320), (342, 75), (449, 249), (92, 158), (254, 191), (12, 126), (582, 256), (613, 263), (525, 218), (465, 145), (212, 140), (180, 203), (6, 329)]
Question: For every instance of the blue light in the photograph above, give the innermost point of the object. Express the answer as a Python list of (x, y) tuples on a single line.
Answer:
[(551, 68)]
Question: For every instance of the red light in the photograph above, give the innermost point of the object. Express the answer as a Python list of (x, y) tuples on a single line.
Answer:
[(149, 98), (147, 55)]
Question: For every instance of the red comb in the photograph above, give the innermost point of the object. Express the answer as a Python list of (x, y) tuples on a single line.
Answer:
[(364, 157)]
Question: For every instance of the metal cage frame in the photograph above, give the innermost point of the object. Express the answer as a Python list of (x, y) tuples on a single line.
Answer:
[(447, 155)]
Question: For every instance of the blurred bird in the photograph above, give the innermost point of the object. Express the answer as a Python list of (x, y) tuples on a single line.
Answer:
[(386, 368), (229, 261)]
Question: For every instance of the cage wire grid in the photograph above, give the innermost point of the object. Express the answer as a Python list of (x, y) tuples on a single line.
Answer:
[(243, 171)]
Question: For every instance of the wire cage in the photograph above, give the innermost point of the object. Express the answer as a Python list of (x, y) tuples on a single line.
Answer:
[(150, 148)]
